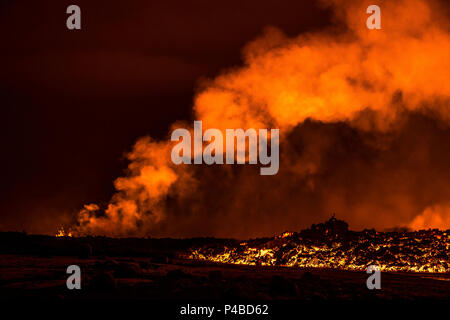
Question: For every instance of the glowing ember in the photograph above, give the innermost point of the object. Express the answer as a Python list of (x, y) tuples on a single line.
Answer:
[(62, 233), (332, 245), (285, 234)]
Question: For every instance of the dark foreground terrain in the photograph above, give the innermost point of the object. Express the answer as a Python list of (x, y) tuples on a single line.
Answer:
[(141, 278), (131, 287), (160, 269)]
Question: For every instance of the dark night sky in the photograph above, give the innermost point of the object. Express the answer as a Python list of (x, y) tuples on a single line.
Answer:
[(73, 102)]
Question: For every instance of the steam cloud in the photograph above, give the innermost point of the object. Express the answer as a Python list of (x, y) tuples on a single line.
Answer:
[(364, 132)]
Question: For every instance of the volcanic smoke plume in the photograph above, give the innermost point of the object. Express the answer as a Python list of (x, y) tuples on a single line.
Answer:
[(364, 132)]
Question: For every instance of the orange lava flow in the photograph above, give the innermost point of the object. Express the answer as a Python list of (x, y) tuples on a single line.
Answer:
[(324, 246)]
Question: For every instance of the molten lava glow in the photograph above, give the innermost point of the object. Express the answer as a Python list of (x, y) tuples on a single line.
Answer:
[(421, 251), (332, 245), (62, 233)]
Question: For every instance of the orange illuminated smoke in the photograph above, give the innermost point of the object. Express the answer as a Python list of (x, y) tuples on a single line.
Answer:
[(325, 76)]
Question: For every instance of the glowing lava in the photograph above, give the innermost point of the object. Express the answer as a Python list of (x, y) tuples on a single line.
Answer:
[(332, 245)]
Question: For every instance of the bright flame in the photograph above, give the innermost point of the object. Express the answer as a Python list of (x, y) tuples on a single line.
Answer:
[(62, 233)]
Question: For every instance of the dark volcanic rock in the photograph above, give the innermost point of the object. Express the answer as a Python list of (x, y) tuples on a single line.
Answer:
[(215, 275), (282, 287), (127, 270), (309, 278), (85, 250), (177, 273), (103, 282), (160, 258)]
